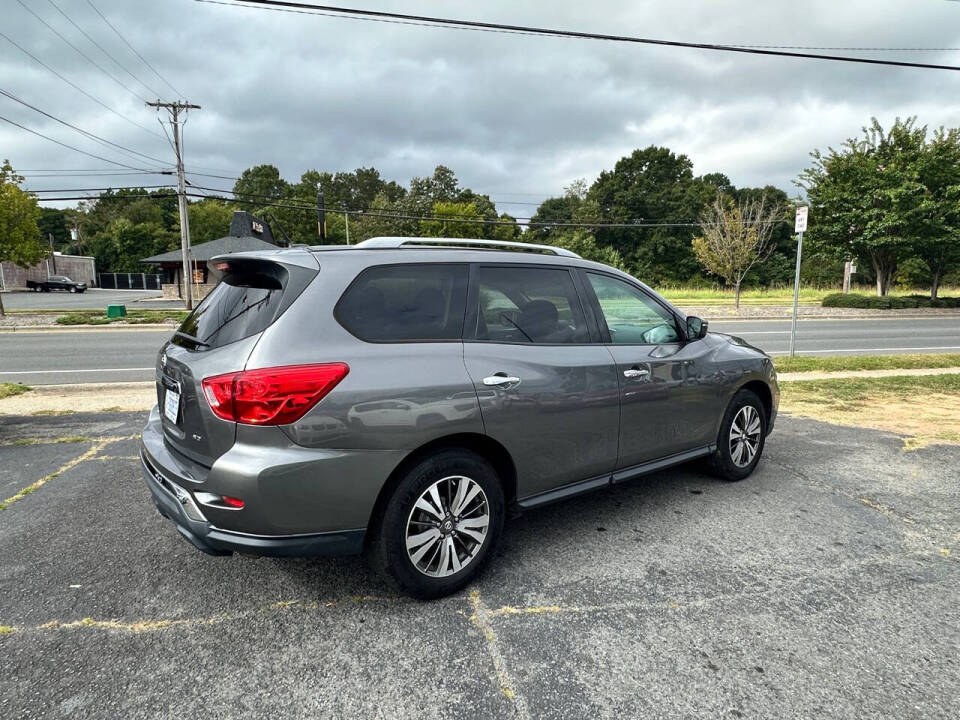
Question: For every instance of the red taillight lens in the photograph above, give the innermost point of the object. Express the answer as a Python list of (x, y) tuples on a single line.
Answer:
[(232, 501), (271, 396)]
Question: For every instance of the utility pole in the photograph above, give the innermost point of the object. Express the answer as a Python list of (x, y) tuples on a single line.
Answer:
[(321, 216), (346, 221), (175, 109), (53, 254)]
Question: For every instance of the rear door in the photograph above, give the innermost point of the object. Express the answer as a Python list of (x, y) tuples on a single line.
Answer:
[(663, 411), (547, 394), (217, 338)]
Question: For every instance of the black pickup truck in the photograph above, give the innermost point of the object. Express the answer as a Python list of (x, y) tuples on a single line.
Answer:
[(56, 282)]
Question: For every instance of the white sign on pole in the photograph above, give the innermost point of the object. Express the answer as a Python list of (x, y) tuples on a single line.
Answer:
[(800, 223), (853, 268)]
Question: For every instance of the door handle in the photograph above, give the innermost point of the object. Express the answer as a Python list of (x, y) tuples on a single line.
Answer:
[(500, 380), (635, 372)]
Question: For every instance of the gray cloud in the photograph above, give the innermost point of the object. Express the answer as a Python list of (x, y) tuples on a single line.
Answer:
[(509, 113)]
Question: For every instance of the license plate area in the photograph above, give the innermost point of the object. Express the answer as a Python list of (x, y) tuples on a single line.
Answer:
[(171, 402)]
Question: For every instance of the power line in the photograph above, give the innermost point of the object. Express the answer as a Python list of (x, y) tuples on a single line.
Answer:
[(81, 53), (77, 87), (401, 18), (134, 50), (105, 189), (101, 48), (83, 132), (70, 147)]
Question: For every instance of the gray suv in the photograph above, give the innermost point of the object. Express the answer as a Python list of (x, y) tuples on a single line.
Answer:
[(401, 396)]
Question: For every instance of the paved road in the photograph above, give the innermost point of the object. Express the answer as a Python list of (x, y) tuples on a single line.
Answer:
[(826, 585), (129, 355), (92, 299)]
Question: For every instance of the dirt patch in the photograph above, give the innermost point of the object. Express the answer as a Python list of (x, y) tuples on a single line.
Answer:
[(90, 397), (924, 419)]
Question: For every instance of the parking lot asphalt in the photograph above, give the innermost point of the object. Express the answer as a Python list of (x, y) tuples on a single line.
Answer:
[(825, 585), (90, 299)]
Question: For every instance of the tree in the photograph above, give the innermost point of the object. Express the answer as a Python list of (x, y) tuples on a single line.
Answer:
[(867, 200), (735, 237), (939, 244), (209, 220), (260, 184), (656, 190), (584, 244), (19, 213), (453, 220)]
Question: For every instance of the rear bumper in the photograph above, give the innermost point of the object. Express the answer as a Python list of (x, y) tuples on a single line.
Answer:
[(176, 504), (172, 481)]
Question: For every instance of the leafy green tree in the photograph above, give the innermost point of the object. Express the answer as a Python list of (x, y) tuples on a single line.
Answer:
[(260, 184), (867, 199), (453, 220), (939, 244), (584, 244), (19, 213), (651, 187), (209, 220), (53, 222)]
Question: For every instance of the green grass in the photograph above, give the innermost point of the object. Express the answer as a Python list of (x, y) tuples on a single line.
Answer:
[(807, 363), (7, 630), (770, 296), (11, 389), (133, 317), (854, 390)]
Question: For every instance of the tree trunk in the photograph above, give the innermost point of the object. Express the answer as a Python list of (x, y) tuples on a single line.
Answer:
[(934, 285), (885, 267), (1, 306), (736, 296)]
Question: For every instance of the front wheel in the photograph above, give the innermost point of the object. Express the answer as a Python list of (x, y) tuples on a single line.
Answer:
[(440, 526), (741, 438), (73, 289)]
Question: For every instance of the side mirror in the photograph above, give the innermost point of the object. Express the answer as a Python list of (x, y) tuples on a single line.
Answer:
[(696, 328)]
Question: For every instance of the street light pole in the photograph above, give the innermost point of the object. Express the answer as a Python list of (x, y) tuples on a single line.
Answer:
[(799, 225)]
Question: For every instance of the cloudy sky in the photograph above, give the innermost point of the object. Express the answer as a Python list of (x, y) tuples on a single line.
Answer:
[(517, 117)]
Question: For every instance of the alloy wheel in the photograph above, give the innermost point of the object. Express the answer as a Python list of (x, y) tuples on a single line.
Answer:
[(447, 526), (745, 435)]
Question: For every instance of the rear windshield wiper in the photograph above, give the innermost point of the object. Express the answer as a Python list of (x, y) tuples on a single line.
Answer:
[(191, 338)]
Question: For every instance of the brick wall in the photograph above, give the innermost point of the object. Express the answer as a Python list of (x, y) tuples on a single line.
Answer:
[(77, 267)]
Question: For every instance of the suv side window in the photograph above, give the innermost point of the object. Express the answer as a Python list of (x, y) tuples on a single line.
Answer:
[(529, 305), (402, 303), (632, 317)]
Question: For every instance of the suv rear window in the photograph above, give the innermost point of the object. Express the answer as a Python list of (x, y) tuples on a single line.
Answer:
[(240, 306), (397, 303)]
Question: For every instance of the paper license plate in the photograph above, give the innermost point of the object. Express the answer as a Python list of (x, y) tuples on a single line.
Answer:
[(171, 405)]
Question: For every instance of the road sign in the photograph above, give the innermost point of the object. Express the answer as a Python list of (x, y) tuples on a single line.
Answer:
[(800, 223)]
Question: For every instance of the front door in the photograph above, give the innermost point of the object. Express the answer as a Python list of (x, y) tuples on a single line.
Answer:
[(548, 395), (663, 410)]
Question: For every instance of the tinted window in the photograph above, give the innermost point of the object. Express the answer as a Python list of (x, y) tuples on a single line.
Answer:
[(231, 312), (394, 303), (529, 305), (631, 315)]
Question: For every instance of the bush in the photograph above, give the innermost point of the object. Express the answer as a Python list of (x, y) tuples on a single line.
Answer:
[(872, 302)]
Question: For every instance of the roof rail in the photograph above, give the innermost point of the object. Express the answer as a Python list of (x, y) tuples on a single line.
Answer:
[(399, 242)]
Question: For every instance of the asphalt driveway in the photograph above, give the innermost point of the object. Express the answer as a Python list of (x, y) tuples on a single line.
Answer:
[(90, 299), (826, 585)]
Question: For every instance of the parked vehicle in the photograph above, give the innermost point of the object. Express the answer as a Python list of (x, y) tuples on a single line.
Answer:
[(56, 282), (401, 395)]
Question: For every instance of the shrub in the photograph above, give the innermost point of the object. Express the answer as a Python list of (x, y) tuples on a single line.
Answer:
[(872, 302)]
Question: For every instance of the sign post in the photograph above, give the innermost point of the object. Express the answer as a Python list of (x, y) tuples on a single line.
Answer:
[(799, 226)]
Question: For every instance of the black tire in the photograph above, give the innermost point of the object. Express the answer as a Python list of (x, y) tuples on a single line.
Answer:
[(73, 289), (722, 462), (387, 550)]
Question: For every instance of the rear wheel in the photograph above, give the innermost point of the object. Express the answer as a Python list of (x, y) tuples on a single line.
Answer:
[(441, 524), (741, 439), (73, 289)]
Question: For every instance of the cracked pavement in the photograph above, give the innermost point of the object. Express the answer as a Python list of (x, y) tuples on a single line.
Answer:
[(826, 584)]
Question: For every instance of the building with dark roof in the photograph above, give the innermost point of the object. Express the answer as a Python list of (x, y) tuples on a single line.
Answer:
[(247, 232)]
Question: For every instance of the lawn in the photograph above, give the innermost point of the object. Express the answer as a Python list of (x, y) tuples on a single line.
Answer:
[(771, 296), (925, 409), (133, 317), (838, 363)]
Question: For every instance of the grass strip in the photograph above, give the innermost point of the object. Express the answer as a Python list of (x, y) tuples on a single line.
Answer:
[(840, 363), (11, 389)]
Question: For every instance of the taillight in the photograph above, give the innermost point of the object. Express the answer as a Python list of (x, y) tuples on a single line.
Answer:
[(271, 396)]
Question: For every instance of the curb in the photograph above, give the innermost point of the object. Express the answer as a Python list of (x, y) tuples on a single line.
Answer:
[(75, 328)]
